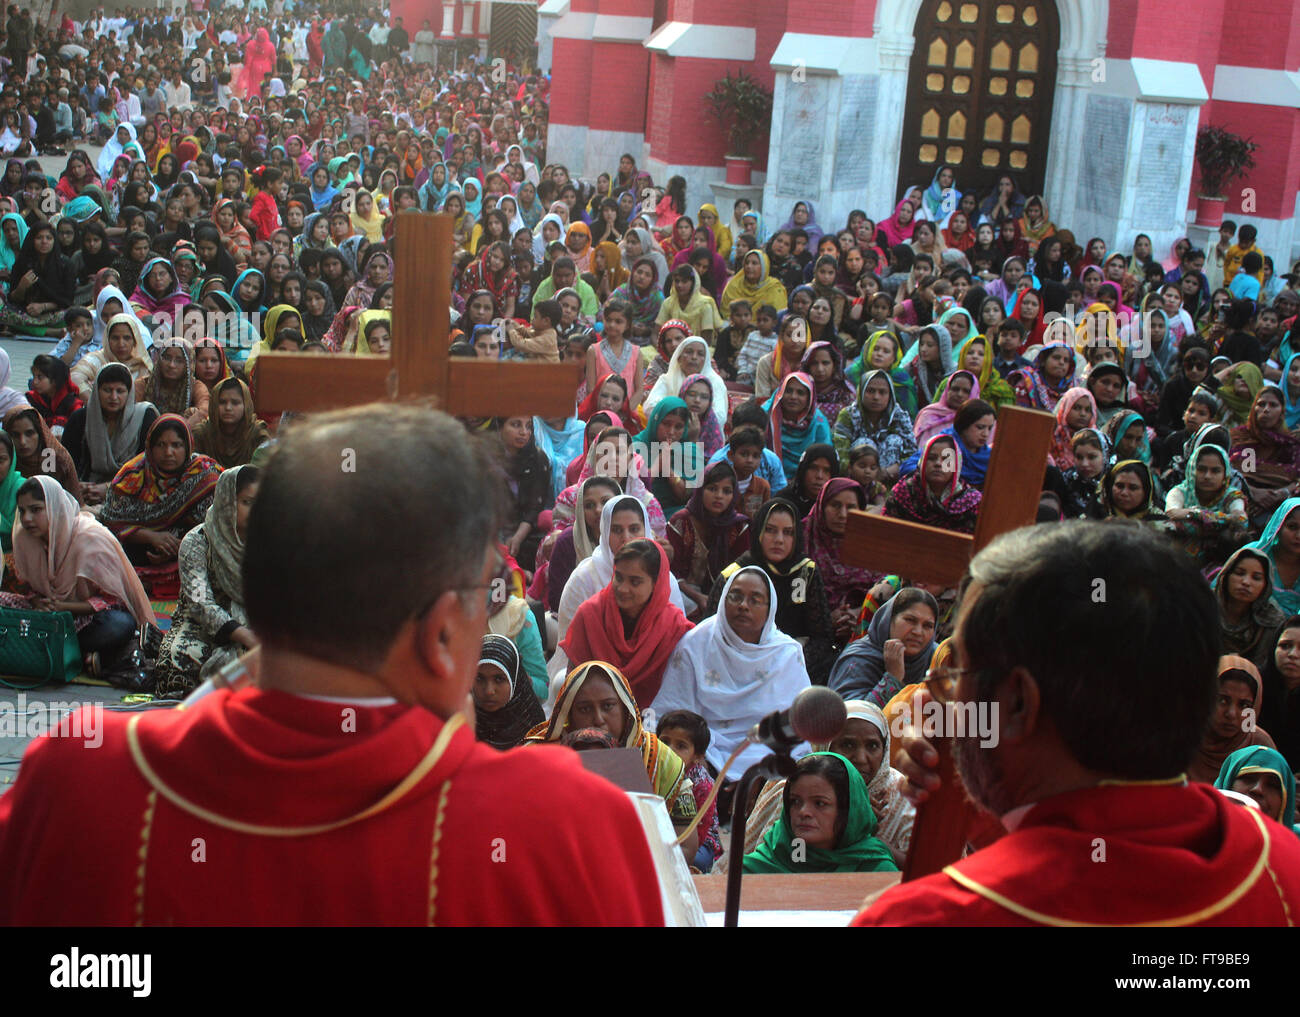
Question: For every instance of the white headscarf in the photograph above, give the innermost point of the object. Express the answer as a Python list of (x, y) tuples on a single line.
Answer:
[(9, 398), (539, 242), (671, 381), (894, 813), (733, 684), (101, 323), (649, 249), (113, 149)]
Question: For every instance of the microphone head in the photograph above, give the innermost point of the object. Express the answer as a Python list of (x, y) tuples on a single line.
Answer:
[(817, 714)]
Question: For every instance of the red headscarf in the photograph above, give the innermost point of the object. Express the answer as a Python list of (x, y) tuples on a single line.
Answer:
[(588, 406), (574, 470), (596, 633)]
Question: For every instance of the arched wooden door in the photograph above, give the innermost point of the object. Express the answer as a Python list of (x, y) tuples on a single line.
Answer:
[(980, 93)]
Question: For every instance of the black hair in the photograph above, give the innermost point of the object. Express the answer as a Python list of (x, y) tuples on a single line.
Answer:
[(741, 303), (76, 314), (747, 436), (971, 411), (911, 595), (644, 551), (31, 488), (1252, 262), (53, 368), (619, 307), (749, 412), (247, 477), (836, 774), (695, 726), (550, 310), (1151, 692), (1246, 236)]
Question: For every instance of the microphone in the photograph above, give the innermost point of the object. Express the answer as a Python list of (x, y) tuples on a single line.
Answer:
[(816, 715)]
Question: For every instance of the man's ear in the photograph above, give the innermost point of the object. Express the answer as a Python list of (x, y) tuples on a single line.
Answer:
[(436, 634), (1019, 701)]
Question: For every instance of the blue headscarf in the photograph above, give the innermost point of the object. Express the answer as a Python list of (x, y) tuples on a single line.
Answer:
[(560, 446), (933, 198), (974, 462), (473, 208), (234, 291), (1286, 598), (320, 200), (1292, 405), (432, 196)]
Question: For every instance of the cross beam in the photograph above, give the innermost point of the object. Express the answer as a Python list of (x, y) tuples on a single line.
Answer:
[(419, 365), (931, 555)]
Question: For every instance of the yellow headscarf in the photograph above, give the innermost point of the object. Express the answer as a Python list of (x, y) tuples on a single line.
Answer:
[(364, 319), (721, 231)]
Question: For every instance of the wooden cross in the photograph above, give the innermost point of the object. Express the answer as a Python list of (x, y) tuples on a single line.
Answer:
[(419, 365), (931, 555)]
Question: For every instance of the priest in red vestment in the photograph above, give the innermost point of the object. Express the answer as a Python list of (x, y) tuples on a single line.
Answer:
[(1098, 645), (346, 788)]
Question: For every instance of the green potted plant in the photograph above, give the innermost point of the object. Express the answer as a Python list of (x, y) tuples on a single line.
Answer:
[(1221, 156), (744, 107)]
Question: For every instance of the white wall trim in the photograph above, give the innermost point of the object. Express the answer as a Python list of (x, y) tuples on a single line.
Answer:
[(1155, 81), (826, 54), (552, 8), (705, 42), (574, 25), (620, 28), (1257, 86)]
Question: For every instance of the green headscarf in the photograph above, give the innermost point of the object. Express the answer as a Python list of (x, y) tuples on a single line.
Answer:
[(1238, 405), (9, 496), (1258, 759), (692, 461), (904, 389), (1191, 499), (858, 850)]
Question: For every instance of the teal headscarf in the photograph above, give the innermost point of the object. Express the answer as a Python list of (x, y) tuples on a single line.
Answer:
[(691, 457), (8, 255), (1287, 599), (1143, 452), (1191, 499), (858, 849), (9, 495), (1258, 759), (1292, 405)]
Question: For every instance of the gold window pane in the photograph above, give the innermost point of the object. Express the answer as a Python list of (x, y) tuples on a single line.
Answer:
[(1018, 160), (1024, 88), (960, 84), (993, 127), (991, 157), (953, 154), (934, 82), (1000, 57), (938, 53), (1020, 130), (997, 86), (930, 124), (957, 126), (944, 12), (970, 13), (928, 153), (1029, 16), (1029, 58), (1006, 14), (964, 55)]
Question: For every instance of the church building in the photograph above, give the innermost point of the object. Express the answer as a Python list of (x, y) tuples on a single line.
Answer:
[(1094, 104)]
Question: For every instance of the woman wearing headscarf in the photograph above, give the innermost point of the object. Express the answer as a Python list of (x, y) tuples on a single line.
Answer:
[(935, 495), (824, 363), (977, 356), (896, 651), (122, 138), (1128, 492), (929, 362), (1263, 775), (953, 393), (1280, 543), (639, 243), (708, 534), (210, 626), (735, 667), (817, 464), (1207, 512), (754, 283), (505, 703), (642, 293), (1249, 620), (158, 294), (1237, 392), (691, 357), (1266, 454), (13, 231), (674, 458), (1052, 374), (688, 301), (897, 228), (1076, 411), (876, 416), (42, 284), (173, 388), (883, 351), (794, 421), (823, 530), (663, 766), (72, 563), (1035, 224), (803, 841), (1240, 688), (232, 431), (37, 451), (160, 494)]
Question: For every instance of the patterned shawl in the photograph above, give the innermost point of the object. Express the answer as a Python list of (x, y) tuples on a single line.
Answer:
[(144, 498), (955, 508)]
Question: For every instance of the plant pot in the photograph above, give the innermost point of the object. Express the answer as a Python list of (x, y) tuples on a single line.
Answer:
[(740, 169), (1209, 211)]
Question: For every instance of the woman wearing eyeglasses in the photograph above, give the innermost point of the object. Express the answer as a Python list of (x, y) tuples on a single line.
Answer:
[(735, 668)]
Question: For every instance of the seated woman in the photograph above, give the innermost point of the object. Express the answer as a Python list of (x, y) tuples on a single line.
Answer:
[(864, 742), (528, 477), (673, 461), (977, 356), (210, 364), (1208, 514), (734, 668), (823, 530), (505, 705), (210, 626), (611, 455), (817, 465), (689, 359), (1240, 694), (42, 284), (161, 494), (632, 623), (954, 392), (1280, 543), (973, 428), (574, 544), (108, 432), (1248, 618), (794, 422), (936, 495), (597, 695), (232, 431), (1128, 493), (11, 479), (896, 651), (1267, 455), (1077, 411), (622, 519), (38, 451), (776, 546), (773, 368), (876, 416), (1264, 775), (72, 563), (510, 615), (124, 343), (172, 388), (707, 535), (825, 809)]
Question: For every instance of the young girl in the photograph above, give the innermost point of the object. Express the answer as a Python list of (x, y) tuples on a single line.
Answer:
[(1052, 375), (933, 363), (52, 393), (1083, 479), (265, 213), (671, 335), (1077, 411), (616, 354), (1207, 512)]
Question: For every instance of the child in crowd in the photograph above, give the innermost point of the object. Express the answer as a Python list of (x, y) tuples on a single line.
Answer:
[(538, 342), (746, 455), (759, 342), (864, 467), (1011, 333), (52, 394), (688, 735), (732, 338), (80, 338), (750, 414), (1083, 479)]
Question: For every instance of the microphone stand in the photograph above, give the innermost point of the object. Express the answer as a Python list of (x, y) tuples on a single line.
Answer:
[(774, 766)]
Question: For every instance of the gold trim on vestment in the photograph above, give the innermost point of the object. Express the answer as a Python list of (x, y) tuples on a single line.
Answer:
[(150, 803), (1190, 919), (440, 815), (412, 779)]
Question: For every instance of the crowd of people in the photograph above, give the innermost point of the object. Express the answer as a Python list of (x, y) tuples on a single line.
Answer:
[(672, 553)]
